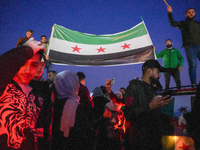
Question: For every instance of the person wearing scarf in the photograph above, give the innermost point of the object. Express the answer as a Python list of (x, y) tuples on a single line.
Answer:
[(71, 126)]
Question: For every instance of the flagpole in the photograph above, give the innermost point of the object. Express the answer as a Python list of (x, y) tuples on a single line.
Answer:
[(50, 39), (141, 18), (166, 3), (148, 34)]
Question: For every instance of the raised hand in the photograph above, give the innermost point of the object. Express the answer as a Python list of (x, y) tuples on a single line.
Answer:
[(35, 45), (169, 9), (108, 85)]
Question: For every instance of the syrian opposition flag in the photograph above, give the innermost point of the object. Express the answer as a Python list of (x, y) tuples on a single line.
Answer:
[(178, 143), (75, 48), (181, 103)]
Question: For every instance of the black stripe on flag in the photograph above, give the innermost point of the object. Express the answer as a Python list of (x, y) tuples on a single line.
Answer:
[(127, 57)]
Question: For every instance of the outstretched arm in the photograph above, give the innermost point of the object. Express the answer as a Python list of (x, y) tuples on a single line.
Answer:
[(171, 19)]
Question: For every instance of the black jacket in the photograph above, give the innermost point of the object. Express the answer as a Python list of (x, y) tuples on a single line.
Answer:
[(185, 27)]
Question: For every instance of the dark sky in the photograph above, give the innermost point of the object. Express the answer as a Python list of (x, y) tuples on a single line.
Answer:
[(97, 17)]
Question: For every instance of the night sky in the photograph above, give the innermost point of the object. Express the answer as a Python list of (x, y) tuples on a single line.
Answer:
[(97, 17)]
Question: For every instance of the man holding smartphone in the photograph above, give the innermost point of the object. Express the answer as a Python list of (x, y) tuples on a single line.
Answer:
[(142, 109)]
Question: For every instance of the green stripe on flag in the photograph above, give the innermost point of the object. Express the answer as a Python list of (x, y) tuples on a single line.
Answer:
[(169, 109), (78, 37)]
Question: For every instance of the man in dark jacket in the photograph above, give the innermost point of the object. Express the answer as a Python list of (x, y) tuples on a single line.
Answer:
[(142, 109), (190, 30), (83, 91)]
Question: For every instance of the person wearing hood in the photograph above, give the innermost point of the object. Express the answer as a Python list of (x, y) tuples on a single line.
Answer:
[(190, 29), (71, 126)]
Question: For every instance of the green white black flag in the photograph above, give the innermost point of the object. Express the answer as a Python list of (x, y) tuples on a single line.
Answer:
[(75, 48)]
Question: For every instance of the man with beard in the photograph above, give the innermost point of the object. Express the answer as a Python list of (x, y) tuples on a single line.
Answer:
[(172, 62), (190, 30), (51, 77), (142, 109)]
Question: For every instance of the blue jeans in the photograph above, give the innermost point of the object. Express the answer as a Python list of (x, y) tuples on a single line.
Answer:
[(48, 65), (192, 53)]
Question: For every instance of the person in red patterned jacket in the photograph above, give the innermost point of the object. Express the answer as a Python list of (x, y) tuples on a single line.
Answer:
[(19, 105)]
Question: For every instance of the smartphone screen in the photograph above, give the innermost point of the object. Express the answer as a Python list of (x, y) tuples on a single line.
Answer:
[(112, 81)]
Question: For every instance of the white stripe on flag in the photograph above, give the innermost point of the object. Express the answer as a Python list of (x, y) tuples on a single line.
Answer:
[(86, 49), (181, 102)]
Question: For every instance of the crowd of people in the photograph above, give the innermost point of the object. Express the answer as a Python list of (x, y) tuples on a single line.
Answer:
[(58, 113)]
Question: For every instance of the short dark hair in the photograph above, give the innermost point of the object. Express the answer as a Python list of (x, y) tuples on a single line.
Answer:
[(80, 75), (189, 9), (29, 30), (54, 72), (168, 40), (43, 36), (122, 88)]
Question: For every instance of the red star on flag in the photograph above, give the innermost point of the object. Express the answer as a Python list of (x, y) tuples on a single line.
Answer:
[(126, 46), (184, 147), (76, 49), (174, 122), (101, 50), (182, 126), (183, 109)]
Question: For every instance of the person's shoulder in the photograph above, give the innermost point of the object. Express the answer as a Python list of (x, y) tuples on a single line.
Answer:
[(21, 38), (175, 49), (164, 50), (135, 82), (83, 87), (197, 21), (82, 110), (39, 84)]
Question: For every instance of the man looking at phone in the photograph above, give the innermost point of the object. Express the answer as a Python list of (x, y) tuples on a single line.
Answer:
[(142, 109)]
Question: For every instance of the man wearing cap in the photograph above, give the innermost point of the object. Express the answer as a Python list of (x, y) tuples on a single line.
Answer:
[(142, 109)]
